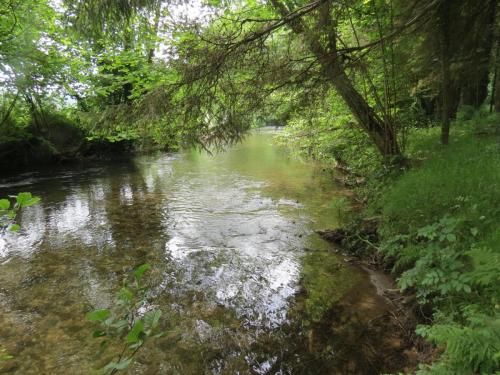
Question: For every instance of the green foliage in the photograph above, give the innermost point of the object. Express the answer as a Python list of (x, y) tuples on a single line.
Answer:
[(440, 229), (4, 356), (461, 180), (472, 347), (126, 324), (9, 208), (327, 133), (92, 63), (50, 69)]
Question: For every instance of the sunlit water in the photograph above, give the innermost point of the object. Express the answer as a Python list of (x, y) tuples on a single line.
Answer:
[(226, 235)]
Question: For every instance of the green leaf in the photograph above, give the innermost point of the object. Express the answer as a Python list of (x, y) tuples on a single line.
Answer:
[(451, 237), (14, 227), (159, 334), (98, 333), (139, 272), (4, 356), (151, 319), (23, 198), (4, 204), (26, 199), (120, 324), (133, 335), (125, 294), (98, 315)]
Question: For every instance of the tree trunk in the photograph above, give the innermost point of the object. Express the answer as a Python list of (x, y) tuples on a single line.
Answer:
[(446, 84), (9, 109), (156, 25), (495, 76), (382, 133), (475, 90), (477, 66), (496, 105), (496, 99), (495, 90)]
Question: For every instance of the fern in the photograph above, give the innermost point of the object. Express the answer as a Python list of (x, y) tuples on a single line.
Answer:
[(469, 349)]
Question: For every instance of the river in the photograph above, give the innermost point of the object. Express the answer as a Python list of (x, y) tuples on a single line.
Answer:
[(244, 283)]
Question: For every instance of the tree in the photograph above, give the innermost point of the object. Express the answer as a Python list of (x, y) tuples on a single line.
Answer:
[(459, 36), (228, 68), (477, 51), (330, 59)]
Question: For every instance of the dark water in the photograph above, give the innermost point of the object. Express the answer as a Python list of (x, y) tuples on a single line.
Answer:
[(231, 241)]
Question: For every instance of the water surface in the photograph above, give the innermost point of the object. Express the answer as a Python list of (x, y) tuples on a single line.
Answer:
[(231, 239)]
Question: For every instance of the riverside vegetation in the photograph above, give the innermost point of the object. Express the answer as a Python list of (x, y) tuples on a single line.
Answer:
[(400, 96), (438, 234)]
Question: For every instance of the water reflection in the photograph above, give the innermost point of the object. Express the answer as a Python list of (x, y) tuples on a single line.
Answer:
[(225, 233)]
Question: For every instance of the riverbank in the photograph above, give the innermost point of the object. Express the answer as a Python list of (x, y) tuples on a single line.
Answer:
[(435, 228), (62, 141)]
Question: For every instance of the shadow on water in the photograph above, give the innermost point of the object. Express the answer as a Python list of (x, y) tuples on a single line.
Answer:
[(227, 235)]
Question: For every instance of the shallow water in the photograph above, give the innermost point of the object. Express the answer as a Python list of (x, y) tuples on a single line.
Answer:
[(229, 236)]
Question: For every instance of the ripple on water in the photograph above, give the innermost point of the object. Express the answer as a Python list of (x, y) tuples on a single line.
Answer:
[(225, 235)]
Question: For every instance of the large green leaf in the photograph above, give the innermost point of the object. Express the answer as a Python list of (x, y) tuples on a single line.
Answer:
[(14, 227), (125, 294), (98, 315), (135, 332), (122, 365), (26, 199), (139, 272), (4, 204), (98, 333), (151, 319)]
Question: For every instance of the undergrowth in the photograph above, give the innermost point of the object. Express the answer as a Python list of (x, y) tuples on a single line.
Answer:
[(439, 226)]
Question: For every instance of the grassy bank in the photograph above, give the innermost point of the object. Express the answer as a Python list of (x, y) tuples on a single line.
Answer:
[(437, 231), (440, 229)]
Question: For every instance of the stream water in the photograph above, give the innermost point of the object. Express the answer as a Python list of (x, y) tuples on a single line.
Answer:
[(238, 271)]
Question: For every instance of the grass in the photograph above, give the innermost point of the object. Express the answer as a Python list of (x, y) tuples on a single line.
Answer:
[(452, 180), (440, 225)]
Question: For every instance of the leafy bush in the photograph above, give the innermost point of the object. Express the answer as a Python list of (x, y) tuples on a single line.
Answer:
[(327, 133), (471, 347)]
